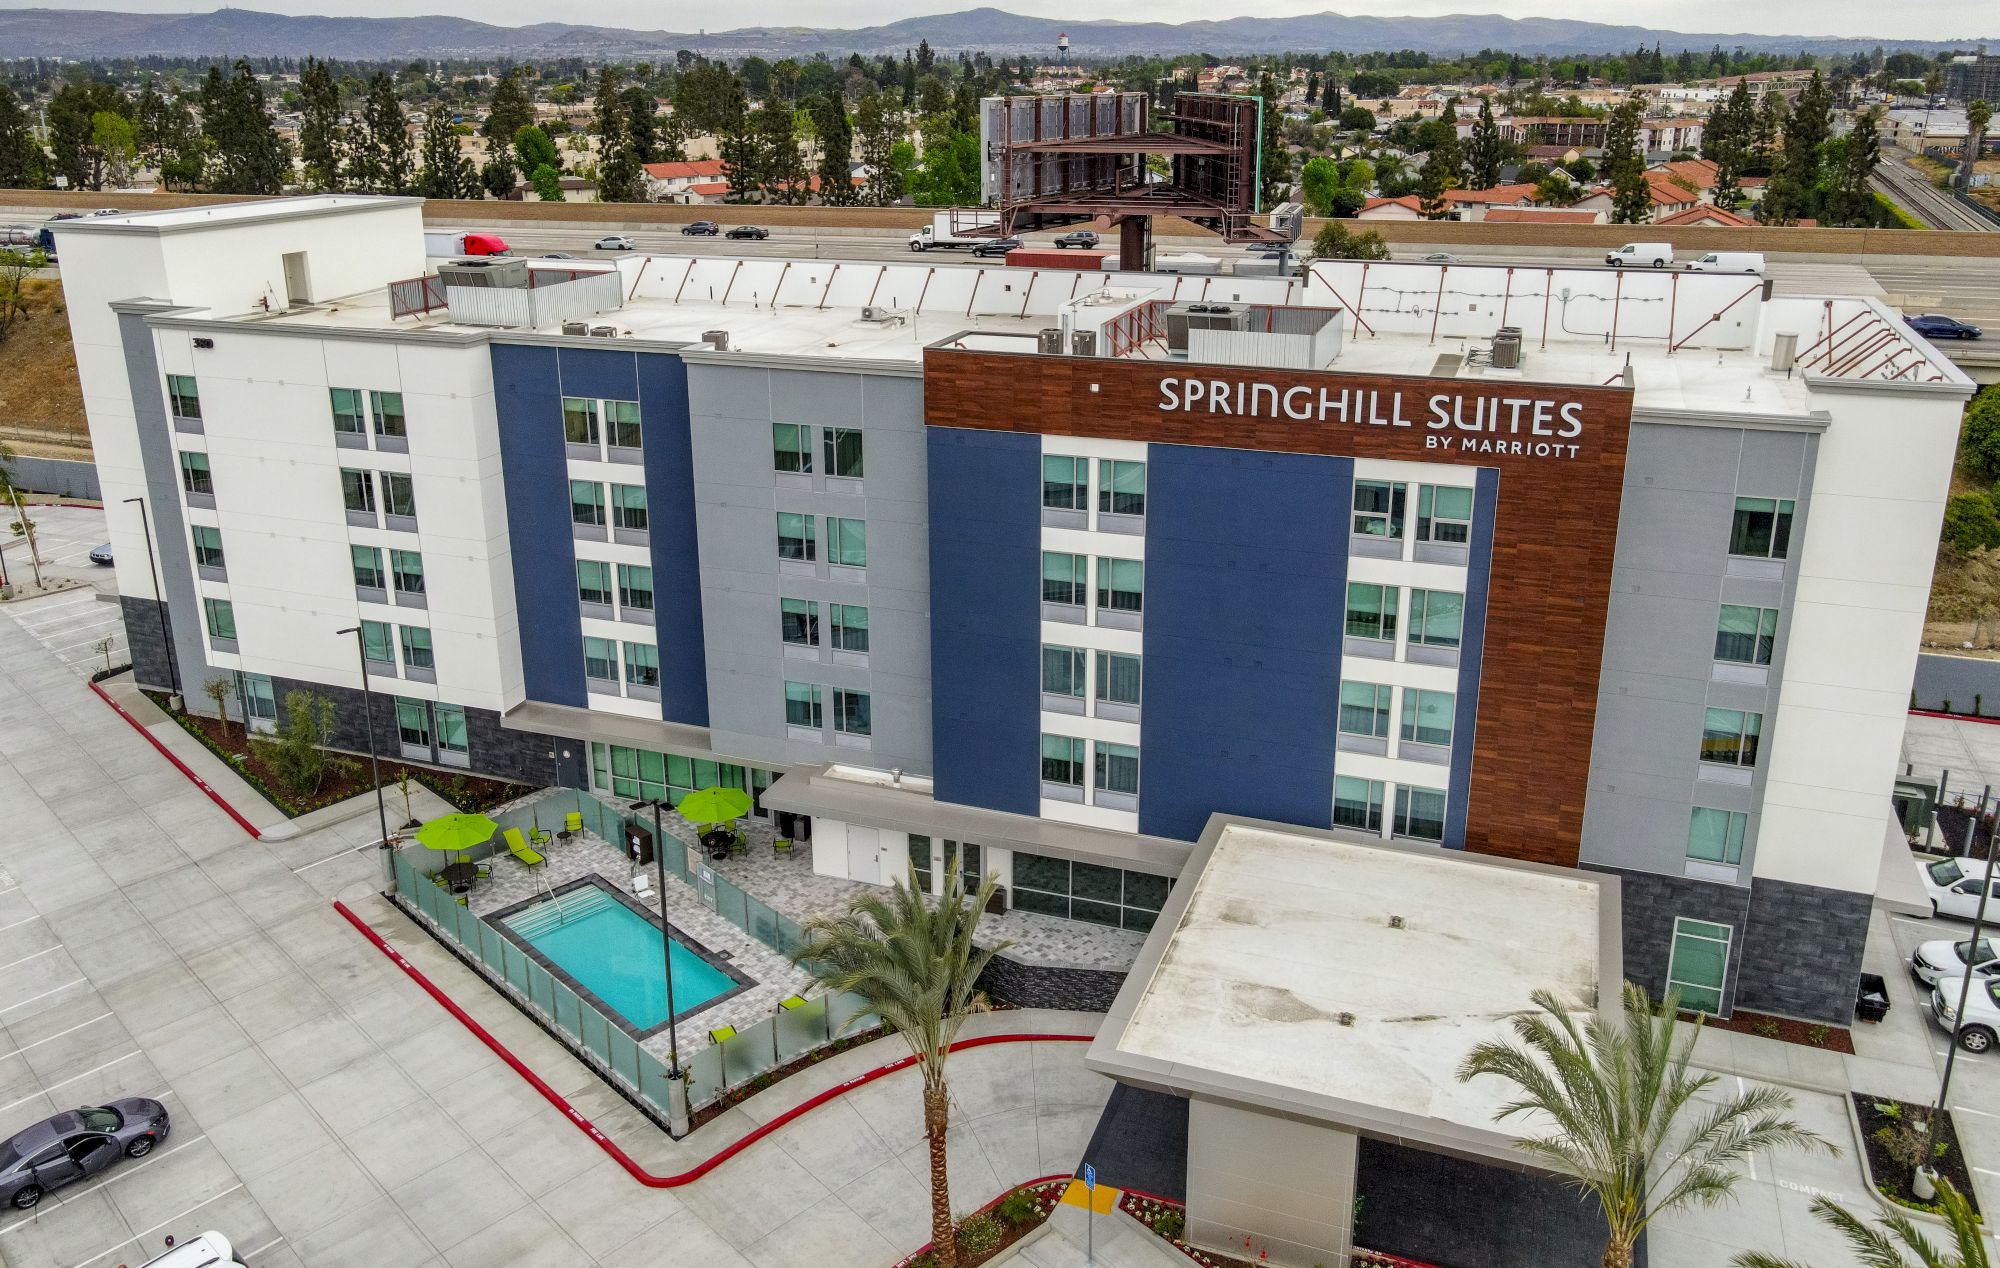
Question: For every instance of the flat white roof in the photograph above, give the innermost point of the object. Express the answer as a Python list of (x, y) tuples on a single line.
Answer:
[(224, 215), (1283, 978)]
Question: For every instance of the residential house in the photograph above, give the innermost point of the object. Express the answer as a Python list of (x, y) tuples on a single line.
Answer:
[(675, 182)]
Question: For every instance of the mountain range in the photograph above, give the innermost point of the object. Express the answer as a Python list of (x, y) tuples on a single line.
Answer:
[(71, 33)]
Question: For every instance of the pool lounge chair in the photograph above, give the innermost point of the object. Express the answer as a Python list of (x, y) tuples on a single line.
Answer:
[(519, 848)]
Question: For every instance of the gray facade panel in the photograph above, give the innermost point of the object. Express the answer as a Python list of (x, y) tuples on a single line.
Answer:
[(159, 456), (1652, 903)]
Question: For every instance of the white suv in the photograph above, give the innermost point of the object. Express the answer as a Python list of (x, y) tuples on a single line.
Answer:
[(1953, 886), (211, 1248), (1934, 960), (1980, 1026)]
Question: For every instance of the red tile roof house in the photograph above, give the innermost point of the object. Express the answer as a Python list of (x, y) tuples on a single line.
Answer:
[(1708, 216), (673, 182), (1473, 204), (1403, 208)]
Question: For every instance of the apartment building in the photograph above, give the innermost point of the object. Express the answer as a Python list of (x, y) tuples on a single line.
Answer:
[(1033, 571)]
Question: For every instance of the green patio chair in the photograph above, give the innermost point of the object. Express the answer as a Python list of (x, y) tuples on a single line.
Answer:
[(781, 847), (572, 825)]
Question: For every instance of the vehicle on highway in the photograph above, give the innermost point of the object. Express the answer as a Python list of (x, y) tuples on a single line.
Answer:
[(997, 246), (759, 232), (102, 555), (964, 227), (448, 243), (1952, 885), (208, 1249), (1077, 238), (701, 228), (1939, 326), (1980, 1026), (1438, 257), (1728, 262), (557, 255), (612, 242), (106, 211), (1657, 254), (77, 1143), (1934, 960)]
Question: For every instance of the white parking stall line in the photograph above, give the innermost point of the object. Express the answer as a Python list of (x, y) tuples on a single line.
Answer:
[(147, 1161), (157, 1227), (59, 1034), (18, 923), (71, 1079), (70, 647), (44, 995), (36, 956), (261, 1249)]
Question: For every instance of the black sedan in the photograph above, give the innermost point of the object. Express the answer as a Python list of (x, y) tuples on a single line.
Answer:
[(758, 232), (1939, 326), (999, 246), (77, 1144), (701, 228)]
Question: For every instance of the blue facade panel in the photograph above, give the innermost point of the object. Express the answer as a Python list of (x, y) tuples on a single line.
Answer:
[(985, 548), (527, 397), (662, 393), (1246, 576), (1472, 646)]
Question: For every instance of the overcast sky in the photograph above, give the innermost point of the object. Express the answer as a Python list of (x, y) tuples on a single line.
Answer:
[(1900, 19)]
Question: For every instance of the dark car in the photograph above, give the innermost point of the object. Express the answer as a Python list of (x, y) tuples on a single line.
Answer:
[(76, 1144), (1077, 238), (557, 255), (701, 228), (758, 232), (102, 555), (999, 246), (1939, 326)]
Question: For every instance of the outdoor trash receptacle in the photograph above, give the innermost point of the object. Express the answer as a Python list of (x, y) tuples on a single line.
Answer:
[(1872, 1002)]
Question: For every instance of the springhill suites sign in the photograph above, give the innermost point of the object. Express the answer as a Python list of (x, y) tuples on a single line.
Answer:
[(1455, 422)]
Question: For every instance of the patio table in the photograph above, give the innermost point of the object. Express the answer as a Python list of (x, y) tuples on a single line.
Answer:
[(456, 874)]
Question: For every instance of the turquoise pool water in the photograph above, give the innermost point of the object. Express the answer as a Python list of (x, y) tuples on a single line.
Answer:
[(615, 953)]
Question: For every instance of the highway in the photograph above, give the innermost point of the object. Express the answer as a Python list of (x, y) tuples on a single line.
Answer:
[(1912, 191)]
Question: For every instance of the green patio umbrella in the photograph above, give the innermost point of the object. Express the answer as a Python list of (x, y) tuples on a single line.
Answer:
[(456, 833), (714, 805)]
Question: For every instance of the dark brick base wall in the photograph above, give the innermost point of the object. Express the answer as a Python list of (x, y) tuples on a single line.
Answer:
[(1802, 955), (1650, 904), (1039, 986), (1141, 1142), (142, 635)]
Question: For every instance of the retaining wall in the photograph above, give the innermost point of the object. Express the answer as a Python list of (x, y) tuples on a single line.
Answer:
[(64, 477)]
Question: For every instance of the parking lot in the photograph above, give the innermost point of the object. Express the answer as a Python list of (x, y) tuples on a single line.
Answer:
[(75, 623)]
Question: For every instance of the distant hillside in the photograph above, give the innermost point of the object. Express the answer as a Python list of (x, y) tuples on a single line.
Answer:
[(104, 33)]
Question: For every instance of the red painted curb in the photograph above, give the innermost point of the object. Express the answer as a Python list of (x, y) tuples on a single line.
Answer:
[(610, 1146), (179, 765), (1955, 717)]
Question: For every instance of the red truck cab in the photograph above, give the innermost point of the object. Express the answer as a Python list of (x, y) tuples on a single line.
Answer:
[(484, 244)]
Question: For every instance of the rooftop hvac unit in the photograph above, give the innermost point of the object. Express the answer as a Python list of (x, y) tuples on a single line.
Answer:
[(1507, 348), (1049, 341), (576, 327), (1182, 318), (884, 316), (1083, 343), (494, 271), (716, 339), (604, 332), (1785, 351)]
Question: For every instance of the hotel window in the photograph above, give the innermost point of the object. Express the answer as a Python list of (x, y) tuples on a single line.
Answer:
[(260, 698), (795, 536), (1744, 636), (791, 448), (847, 542), (642, 665), (1371, 611), (1063, 578), (378, 646), (368, 567), (1378, 508), (798, 622), (451, 731), (1062, 671), (600, 659), (1729, 737), (853, 712), (388, 408), (1699, 963), (628, 507), (182, 396), (1064, 481), (1437, 617), (850, 627), (843, 452), (1088, 892), (1117, 768), (920, 862), (1427, 716), (593, 582), (1716, 836), (1117, 678), (207, 546), (1357, 803), (417, 647), (1444, 514), (586, 503), (621, 424), (194, 473), (1121, 585), (635, 587), (348, 411), (406, 568), (1419, 813), (1762, 528), (413, 723), (802, 704), (1121, 487), (221, 617), (579, 421), (1364, 709), (1062, 761), (399, 495), (357, 491)]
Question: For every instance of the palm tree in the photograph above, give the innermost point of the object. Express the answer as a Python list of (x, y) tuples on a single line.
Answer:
[(1616, 1093), (914, 963), (1878, 1247)]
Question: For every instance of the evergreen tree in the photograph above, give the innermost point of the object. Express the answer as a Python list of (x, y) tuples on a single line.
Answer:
[(1275, 160), (1733, 150), (1769, 125), (1439, 173), (1852, 201), (909, 82), (170, 141), (782, 176), (1625, 167), (877, 128), (508, 112), (72, 112), (1794, 189), (738, 144), (1716, 133), (497, 175), (642, 122), (447, 173), (1484, 154), (836, 149), (1329, 95), (381, 160), (320, 129), (617, 163), (21, 163), (249, 155)]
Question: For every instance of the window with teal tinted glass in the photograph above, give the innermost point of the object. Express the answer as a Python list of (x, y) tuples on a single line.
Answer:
[(1378, 508), (1063, 482), (1716, 836), (795, 536), (388, 413), (1371, 611), (207, 546), (1437, 617), (1762, 528), (1419, 813), (406, 567), (579, 420), (194, 473), (1730, 737), (1427, 716), (349, 411), (399, 494), (1357, 803), (642, 665), (260, 698), (791, 448), (586, 503), (451, 733), (1121, 585), (378, 644), (853, 712), (802, 704), (357, 490), (368, 567), (1117, 767), (1699, 964), (1745, 635), (1117, 678), (413, 722), (1063, 578), (182, 396), (621, 422), (843, 452), (600, 659), (848, 541), (1121, 487), (417, 647), (593, 581), (850, 627), (628, 506), (1444, 514), (1062, 760), (1364, 709), (1063, 671), (221, 617), (798, 622), (635, 587)]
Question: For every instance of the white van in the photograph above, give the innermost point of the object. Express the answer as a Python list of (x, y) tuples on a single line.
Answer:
[(1728, 262), (1657, 254), (210, 1250)]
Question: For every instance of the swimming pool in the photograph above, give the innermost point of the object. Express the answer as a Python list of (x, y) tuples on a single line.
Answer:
[(609, 952)]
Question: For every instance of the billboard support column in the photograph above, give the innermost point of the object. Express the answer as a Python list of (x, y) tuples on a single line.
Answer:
[(1135, 244)]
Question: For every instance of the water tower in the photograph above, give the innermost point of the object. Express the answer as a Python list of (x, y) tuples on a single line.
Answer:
[(1062, 49)]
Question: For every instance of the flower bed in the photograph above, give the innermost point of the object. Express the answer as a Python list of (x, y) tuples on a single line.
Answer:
[(1783, 1029), (991, 1229), (1881, 1116)]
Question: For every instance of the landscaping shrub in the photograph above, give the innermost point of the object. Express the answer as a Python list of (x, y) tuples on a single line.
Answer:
[(1018, 1208), (298, 756), (1980, 442), (979, 1234), (1970, 523), (1170, 1224)]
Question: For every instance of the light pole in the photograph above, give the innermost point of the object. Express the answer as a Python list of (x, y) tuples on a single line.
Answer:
[(677, 1111), (374, 764), (159, 601), (1971, 949)]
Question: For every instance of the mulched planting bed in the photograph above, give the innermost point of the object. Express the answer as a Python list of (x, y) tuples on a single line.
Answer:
[(1045, 1194), (1783, 1029), (1890, 1177)]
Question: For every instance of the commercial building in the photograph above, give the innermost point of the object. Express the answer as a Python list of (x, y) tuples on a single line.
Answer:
[(1033, 571), (1971, 77)]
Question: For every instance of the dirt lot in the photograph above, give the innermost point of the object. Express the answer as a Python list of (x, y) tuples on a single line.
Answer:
[(41, 402)]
